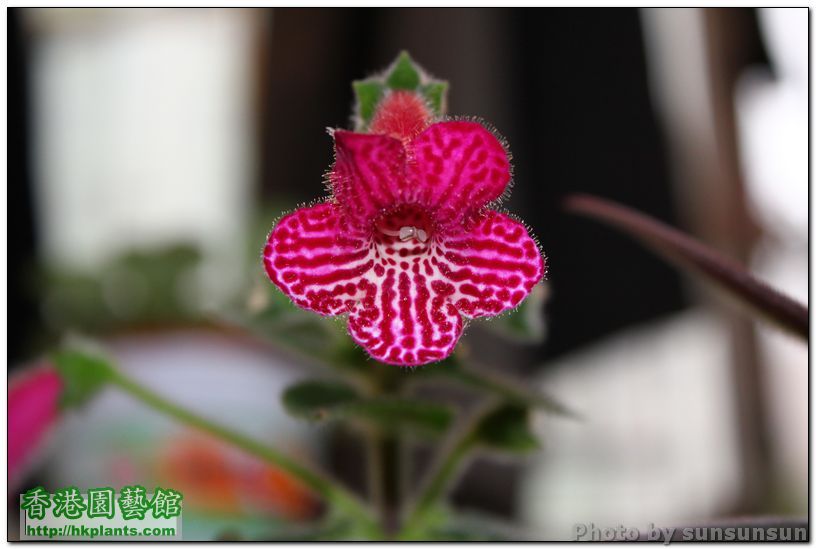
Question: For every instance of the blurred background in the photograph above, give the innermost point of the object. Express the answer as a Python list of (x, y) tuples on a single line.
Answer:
[(150, 151)]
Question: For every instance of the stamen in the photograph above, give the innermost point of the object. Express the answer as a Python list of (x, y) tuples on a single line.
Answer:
[(406, 233)]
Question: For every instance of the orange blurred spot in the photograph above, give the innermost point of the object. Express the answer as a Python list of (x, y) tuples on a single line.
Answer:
[(199, 469), (217, 478)]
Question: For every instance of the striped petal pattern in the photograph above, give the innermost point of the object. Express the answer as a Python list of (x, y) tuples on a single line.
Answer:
[(316, 263), (406, 317), (493, 267)]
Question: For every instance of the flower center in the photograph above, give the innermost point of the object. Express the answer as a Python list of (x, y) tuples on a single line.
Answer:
[(406, 230)]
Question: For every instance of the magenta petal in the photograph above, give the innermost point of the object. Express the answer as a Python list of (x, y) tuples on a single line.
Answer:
[(493, 266), (33, 409), (314, 261), (368, 175), (406, 317), (457, 168)]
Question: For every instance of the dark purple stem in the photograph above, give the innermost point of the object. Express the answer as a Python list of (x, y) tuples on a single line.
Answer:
[(688, 253)]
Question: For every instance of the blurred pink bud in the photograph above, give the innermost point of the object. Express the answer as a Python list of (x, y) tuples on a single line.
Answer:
[(33, 410)]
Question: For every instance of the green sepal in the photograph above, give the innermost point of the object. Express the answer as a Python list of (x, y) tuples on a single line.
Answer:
[(404, 74), (436, 94), (83, 375), (507, 428), (368, 94)]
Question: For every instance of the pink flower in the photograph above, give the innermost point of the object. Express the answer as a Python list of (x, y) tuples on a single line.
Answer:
[(408, 245), (33, 410)]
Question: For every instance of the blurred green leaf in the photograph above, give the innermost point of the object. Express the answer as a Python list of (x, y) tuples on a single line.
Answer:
[(334, 400), (436, 92), (136, 287), (507, 428), (393, 413), (317, 399), (367, 93), (159, 279), (83, 375), (404, 75)]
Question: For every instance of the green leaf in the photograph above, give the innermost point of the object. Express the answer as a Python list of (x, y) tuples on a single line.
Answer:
[(394, 413), (136, 287), (404, 74), (317, 399), (436, 92), (83, 374), (507, 428), (368, 93), (334, 400)]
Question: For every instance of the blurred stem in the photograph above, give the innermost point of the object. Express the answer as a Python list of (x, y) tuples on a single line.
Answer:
[(439, 478), (385, 479), (385, 453), (692, 255), (328, 489)]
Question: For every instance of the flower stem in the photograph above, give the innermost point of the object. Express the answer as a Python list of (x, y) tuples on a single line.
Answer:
[(385, 452), (385, 478), (696, 257), (318, 482), (438, 481)]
